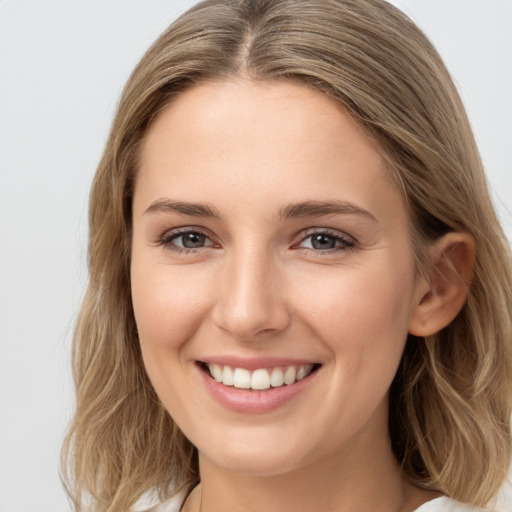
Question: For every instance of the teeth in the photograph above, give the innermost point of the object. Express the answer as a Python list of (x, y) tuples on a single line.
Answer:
[(276, 378), (227, 376), (260, 379), (304, 371), (241, 378), (289, 375), (216, 372)]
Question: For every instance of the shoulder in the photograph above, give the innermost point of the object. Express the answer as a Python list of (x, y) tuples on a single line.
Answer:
[(445, 504), (173, 504)]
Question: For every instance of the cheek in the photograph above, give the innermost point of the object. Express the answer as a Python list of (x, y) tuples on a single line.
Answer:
[(169, 306), (362, 317), (349, 304)]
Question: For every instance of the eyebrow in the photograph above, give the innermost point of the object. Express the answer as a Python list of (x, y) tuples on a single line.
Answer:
[(183, 208), (291, 211), (320, 208)]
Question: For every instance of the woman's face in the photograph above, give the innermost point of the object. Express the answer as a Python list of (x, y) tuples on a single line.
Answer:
[(270, 251)]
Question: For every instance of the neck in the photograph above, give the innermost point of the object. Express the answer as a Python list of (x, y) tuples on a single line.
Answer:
[(344, 481)]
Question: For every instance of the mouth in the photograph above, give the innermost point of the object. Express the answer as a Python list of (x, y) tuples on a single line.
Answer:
[(260, 379)]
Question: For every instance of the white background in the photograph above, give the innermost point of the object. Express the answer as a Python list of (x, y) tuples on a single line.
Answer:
[(62, 66)]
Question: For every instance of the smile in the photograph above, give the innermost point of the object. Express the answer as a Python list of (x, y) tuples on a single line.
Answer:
[(256, 385), (259, 379)]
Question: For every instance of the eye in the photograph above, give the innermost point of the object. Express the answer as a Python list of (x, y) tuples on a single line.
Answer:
[(186, 239), (326, 241)]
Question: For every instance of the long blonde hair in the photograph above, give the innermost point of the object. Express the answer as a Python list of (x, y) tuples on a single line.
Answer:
[(450, 402)]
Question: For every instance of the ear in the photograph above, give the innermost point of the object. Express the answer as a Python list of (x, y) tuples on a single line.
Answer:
[(443, 291)]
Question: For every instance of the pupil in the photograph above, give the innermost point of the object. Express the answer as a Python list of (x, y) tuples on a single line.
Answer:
[(323, 242), (193, 240)]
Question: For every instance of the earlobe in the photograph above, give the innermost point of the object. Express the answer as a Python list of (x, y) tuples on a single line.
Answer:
[(443, 292)]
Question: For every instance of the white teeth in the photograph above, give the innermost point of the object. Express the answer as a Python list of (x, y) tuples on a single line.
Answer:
[(216, 372), (276, 378), (289, 375), (227, 376), (260, 379), (304, 371), (242, 378)]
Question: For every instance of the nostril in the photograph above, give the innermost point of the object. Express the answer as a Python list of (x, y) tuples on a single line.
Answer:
[(254, 325), (249, 302)]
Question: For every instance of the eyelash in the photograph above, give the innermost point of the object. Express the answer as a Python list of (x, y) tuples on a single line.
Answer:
[(346, 242), (169, 236)]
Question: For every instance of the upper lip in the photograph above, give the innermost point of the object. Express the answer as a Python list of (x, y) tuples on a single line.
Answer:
[(255, 363)]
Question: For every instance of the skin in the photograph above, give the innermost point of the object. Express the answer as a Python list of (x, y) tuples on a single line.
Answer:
[(258, 287)]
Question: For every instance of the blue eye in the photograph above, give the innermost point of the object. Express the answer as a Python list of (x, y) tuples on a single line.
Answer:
[(324, 241)]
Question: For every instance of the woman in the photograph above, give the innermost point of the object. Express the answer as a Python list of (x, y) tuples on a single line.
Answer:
[(299, 292)]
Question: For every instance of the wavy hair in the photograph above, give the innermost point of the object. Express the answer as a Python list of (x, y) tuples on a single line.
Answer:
[(450, 402)]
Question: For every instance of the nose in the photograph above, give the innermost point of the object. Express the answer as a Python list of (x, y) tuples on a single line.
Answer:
[(250, 302)]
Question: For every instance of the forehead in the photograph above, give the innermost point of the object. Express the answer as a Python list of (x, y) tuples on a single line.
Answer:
[(280, 141), (243, 112)]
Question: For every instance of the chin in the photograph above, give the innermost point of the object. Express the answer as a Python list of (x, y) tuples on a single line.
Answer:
[(263, 466), (255, 455)]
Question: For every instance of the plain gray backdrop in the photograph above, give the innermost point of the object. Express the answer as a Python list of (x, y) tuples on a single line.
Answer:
[(62, 67)]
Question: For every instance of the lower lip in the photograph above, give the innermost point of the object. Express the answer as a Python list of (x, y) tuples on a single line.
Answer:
[(254, 402)]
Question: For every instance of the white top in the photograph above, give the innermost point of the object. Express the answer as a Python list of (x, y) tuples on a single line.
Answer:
[(443, 504)]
